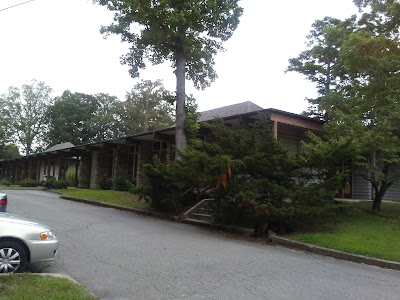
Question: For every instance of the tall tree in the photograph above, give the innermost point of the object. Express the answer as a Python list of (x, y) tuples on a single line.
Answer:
[(80, 118), (9, 151), (362, 107), (320, 63), (5, 130), (25, 108), (380, 16), (104, 121), (187, 33), (147, 107), (367, 109)]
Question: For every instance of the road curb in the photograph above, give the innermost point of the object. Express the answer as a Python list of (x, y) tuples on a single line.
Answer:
[(124, 208), (334, 253)]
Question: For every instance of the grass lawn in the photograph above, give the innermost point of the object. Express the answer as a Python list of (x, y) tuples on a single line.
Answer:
[(28, 286), (106, 196), (18, 187), (375, 234)]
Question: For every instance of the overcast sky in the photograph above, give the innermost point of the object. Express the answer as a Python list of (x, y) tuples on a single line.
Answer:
[(58, 42)]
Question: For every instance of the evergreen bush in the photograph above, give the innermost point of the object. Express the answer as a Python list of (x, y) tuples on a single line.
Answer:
[(252, 178), (55, 184), (122, 183), (106, 184), (5, 182), (29, 183), (70, 177)]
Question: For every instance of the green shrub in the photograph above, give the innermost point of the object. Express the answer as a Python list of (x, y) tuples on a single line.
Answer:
[(160, 189), (70, 176), (106, 184), (29, 183), (61, 184), (49, 184), (55, 184), (237, 161), (5, 182), (122, 183), (290, 217)]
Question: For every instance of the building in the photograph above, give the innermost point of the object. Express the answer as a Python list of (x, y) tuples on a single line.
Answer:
[(94, 162)]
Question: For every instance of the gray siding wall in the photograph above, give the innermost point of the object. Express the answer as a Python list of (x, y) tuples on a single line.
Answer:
[(393, 193), (361, 188)]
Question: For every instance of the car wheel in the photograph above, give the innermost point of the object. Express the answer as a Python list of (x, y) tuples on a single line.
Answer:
[(12, 257)]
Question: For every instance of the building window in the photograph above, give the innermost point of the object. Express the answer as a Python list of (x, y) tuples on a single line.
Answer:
[(132, 161), (160, 150), (110, 164)]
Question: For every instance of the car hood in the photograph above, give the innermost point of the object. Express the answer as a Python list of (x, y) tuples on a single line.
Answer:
[(11, 218)]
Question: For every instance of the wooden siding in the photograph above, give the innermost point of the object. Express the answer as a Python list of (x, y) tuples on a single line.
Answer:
[(296, 121), (290, 137)]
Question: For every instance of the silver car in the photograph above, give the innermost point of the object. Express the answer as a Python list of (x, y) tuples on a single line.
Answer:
[(24, 241)]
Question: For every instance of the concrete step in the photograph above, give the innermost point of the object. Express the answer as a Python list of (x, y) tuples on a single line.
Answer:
[(203, 217), (204, 210), (196, 222)]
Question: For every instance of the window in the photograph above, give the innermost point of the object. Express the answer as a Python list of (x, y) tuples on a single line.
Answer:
[(110, 164), (132, 161), (160, 150)]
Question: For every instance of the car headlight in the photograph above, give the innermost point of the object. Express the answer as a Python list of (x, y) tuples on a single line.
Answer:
[(47, 236)]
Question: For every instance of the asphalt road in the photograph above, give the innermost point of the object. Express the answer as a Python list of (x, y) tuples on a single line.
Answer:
[(121, 255)]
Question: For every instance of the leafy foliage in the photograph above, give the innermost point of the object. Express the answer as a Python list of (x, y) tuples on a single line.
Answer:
[(105, 122), (80, 118), (361, 107), (9, 151), (106, 184), (70, 176), (122, 183), (148, 106), (289, 217), (29, 183), (24, 111), (55, 184), (321, 62), (5, 182), (380, 16), (186, 33), (247, 172), (167, 27)]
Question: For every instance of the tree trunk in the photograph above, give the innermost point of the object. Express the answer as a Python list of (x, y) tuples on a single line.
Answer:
[(376, 205), (146, 110), (180, 135), (28, 148), (384, 185), (379, 193)]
